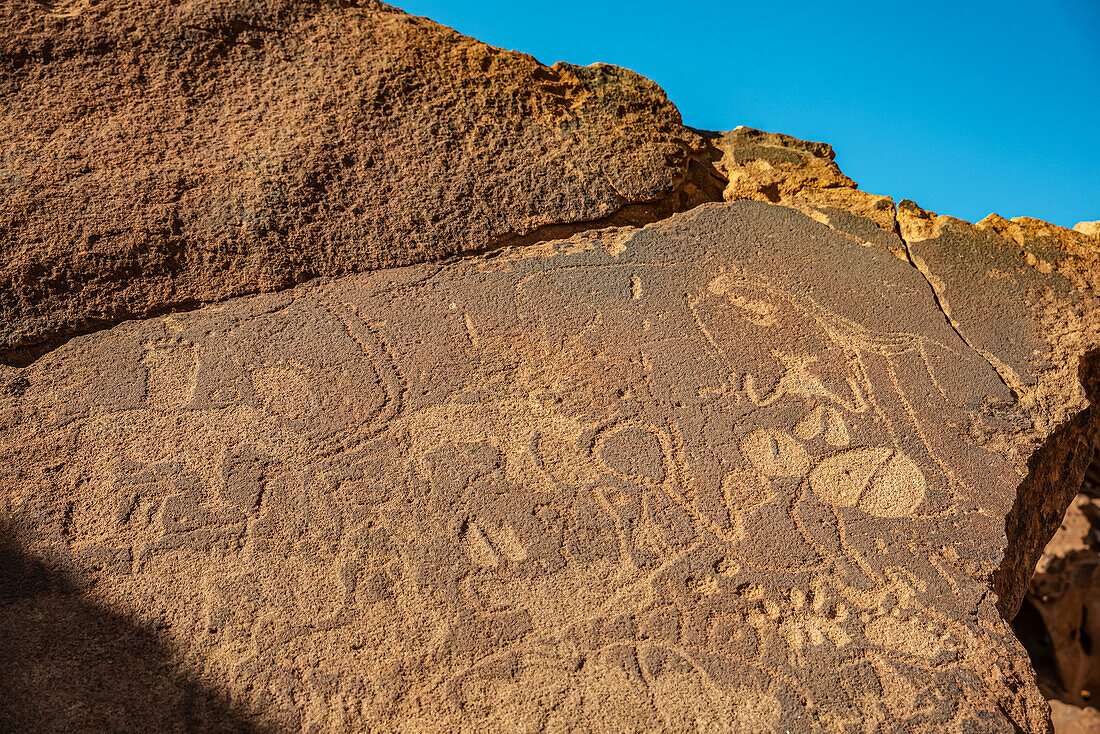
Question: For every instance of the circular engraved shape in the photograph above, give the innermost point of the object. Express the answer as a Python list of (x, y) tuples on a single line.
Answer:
[(635, 453), (880, 481)]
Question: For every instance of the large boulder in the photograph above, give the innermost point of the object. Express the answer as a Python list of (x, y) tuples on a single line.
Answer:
[(156, 155), (781, 463), (735, 471)]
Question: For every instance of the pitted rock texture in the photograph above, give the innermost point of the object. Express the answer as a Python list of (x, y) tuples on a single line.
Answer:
[(1058, 623), (763, 166), (997, 259), (1035, 273), (734, 471), (781, 464), (157, 155), (1061, 617)]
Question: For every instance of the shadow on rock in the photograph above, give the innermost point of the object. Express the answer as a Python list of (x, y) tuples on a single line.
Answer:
[(70, 665)]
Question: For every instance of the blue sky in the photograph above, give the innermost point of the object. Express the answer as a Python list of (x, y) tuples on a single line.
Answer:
[(964, 107)]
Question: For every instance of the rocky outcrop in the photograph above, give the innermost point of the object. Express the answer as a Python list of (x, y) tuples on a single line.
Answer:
[(1092, 229), (679, 471), (1059, 615), (782, 462), (782, 169), (1058, 621), (161, 155), (1062, 614)]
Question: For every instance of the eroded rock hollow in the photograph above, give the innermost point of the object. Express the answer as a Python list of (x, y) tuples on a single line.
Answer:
[(605, 424)]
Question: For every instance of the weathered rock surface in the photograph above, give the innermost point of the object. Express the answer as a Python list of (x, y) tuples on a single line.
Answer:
[(1058, 623), (762, 166), (158, 155), (1089, 228), (1063, 605), (784, 463), (1070, 719), (734, 471)]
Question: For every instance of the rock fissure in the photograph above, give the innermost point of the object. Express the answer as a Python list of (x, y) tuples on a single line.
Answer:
[(1004, 373), (1058, 618), (702, 183), (437, 146)]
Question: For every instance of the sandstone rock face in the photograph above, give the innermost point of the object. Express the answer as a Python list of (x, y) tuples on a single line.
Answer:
[(1089, 228), (781, 463), (159, 155), (762, 166), (1058, 621), (1069, 719), (734, 471), (1063, 605)]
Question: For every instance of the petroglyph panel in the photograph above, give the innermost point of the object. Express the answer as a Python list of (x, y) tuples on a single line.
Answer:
[(681, 479)]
